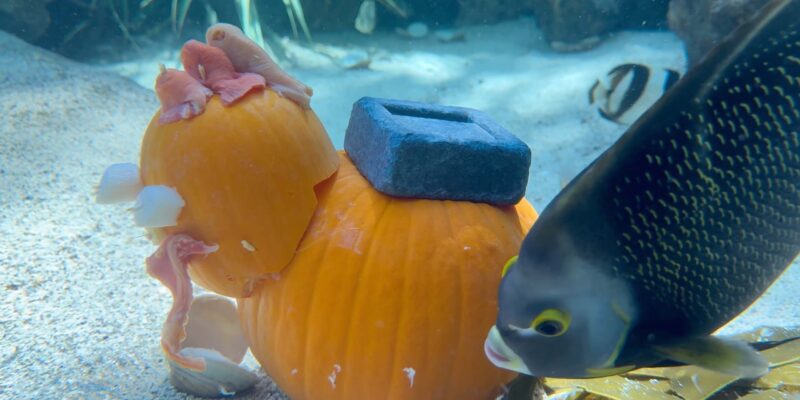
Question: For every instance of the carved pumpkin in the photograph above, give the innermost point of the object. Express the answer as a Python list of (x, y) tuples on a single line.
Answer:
[(386, 297), (247, 173)]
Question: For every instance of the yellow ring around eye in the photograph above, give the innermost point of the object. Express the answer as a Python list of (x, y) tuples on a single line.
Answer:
[(511, 261), (554, 317)]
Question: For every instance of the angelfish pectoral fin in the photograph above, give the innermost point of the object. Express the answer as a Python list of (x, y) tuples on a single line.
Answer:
[(728, 356)]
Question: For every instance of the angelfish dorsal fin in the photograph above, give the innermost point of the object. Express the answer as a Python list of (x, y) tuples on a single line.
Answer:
[(728, 356)]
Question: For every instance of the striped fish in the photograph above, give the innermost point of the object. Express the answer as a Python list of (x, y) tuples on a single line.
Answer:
[(630, 90)]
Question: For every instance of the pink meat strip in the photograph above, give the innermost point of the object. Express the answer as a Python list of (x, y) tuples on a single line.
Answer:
[(169, 264), (211, 67), (181, 96), (247, 56)]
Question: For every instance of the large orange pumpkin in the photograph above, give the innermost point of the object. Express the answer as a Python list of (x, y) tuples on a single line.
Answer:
[(247, 173), (386, 298)]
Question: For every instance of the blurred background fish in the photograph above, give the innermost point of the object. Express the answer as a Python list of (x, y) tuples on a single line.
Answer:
[(629, 90)]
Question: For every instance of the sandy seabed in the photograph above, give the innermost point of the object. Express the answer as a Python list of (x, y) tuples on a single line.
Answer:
[(79, 318)]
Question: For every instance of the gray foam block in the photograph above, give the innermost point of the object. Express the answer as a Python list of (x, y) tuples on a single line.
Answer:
[(421, 150)]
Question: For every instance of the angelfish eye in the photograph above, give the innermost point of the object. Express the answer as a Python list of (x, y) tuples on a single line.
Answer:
[(549, 328), (551, 322)]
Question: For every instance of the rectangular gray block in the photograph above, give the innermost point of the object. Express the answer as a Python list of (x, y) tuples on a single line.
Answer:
[(421, 150)]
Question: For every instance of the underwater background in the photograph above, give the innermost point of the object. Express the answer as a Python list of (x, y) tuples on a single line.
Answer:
[(79, 318)]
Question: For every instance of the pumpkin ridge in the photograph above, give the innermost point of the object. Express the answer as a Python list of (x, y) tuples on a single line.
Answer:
[(525, 214), (321, 191), (343, 177), (460, 313), (281, 304), (404, 310), (307, 353), (498, 226), (489, 221), (261, 306), (358, 292)]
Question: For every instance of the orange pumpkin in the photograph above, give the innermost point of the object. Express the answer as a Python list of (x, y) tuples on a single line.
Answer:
[(247, 173), (386, 298)]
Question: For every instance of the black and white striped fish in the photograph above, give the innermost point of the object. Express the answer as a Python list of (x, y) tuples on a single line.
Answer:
[(630, 90)]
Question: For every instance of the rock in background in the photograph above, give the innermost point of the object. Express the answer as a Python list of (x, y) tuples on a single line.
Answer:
[(340, 15), (701, 24), (574, 25), (472, 12), (566, 25), (28, 19)]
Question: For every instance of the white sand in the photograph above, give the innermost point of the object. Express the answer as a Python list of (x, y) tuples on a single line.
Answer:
[(79, 318)]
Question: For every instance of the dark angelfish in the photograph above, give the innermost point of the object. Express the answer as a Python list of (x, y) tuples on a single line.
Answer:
[(674, 230)]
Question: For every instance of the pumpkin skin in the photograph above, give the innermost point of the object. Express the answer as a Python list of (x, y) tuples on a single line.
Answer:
[(247, 173), (380, 284)]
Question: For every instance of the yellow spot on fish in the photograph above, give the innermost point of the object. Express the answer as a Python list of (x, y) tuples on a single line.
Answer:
[(511, 261)]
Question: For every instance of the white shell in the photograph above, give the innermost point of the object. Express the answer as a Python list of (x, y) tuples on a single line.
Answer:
[(222, 377), (448, 36), (365, 20), (157, 206), (213, 323), (417, 30), (120, 183), (355, 59), (214, 334)]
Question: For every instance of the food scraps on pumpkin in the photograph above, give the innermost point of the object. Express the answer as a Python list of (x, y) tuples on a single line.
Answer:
[(410, 373), (213, 333), (201, 337), (282, 145), (248, 246), (181, 96), (247, 56), (119, 183), (211, 67), (157, 206)]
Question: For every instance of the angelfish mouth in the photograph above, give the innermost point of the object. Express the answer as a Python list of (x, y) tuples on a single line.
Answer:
[(493, 355), (498, 352)]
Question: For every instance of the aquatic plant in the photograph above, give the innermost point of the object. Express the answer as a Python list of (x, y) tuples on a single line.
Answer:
[(247, 11), (136, 18), (675, 383)]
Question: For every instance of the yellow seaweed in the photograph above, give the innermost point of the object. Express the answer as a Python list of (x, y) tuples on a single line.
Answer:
[(695, 383), (784, 378), (615, 387), (769, 333), (771, 394), (784, 354)]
